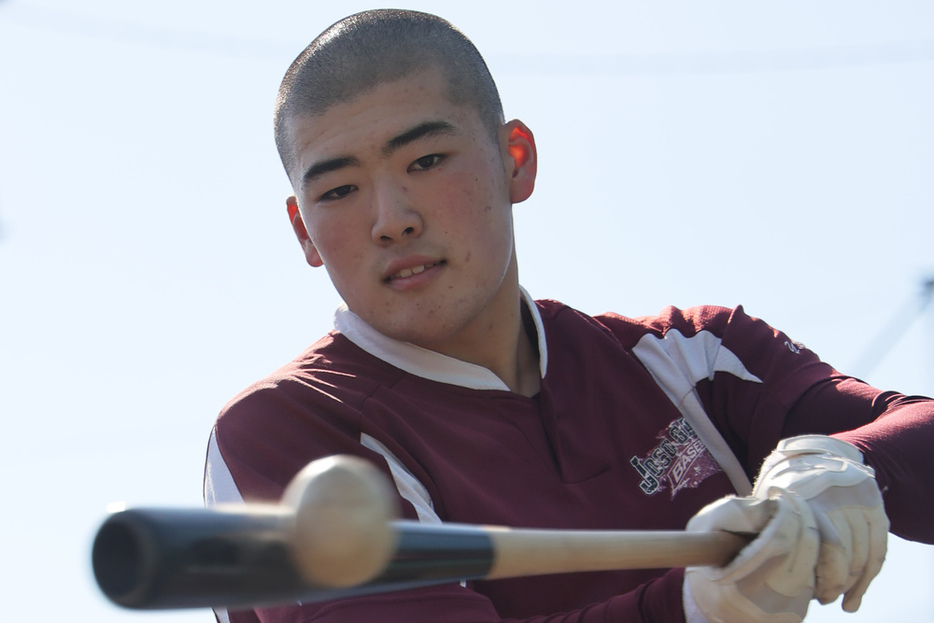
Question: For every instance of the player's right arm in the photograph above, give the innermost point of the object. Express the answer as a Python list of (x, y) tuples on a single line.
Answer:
[(655, 601)]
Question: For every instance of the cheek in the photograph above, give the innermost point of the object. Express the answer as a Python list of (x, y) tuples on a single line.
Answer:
[(479, 194), (333, 237), (482, 222)]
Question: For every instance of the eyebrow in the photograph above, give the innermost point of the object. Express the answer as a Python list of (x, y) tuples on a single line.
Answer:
[(326, 166), (422, 130)]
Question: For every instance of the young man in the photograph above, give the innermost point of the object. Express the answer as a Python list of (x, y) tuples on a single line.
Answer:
[(485, 406)]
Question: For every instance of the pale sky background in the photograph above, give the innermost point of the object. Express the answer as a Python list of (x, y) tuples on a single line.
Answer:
[(774, 155)]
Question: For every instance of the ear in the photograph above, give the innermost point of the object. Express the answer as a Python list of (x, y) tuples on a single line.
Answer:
[(298, 226), (520, 146)]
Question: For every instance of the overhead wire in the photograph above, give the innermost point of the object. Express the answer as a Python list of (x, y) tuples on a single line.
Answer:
[(892, 332), (551, 64)]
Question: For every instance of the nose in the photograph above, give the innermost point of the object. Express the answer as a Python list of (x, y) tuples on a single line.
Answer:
[(395, 216)]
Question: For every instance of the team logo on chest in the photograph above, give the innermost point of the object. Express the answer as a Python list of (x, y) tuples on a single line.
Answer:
[(679, 461)]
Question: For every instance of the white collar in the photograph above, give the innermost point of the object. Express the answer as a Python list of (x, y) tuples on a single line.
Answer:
[(427, 363)]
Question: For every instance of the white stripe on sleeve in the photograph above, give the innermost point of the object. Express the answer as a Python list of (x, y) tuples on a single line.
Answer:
[(408, 485), (678, 363), (219, 485)]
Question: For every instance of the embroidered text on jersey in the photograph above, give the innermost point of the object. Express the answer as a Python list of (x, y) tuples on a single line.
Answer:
[(679, 461), (677, 363)]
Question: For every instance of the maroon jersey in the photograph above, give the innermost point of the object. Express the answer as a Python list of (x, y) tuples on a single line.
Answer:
[(639, 423)]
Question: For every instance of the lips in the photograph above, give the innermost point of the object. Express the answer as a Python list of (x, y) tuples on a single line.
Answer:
[(409, 272)]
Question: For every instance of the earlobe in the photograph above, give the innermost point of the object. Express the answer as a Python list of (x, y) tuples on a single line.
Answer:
[(298, 226), (524, 156)]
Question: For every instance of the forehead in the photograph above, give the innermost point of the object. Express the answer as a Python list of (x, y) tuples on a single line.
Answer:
[(376, 115)]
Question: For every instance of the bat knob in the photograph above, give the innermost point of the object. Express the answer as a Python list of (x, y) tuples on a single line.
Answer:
[(341, 534)]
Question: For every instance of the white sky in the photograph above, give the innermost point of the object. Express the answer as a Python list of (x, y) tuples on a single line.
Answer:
[(775, 155)]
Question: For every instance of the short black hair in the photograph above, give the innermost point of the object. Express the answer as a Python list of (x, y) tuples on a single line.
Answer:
[(372, 48)]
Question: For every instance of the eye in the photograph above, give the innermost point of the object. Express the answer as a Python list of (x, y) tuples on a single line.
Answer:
[(338, 193), (426, 162)]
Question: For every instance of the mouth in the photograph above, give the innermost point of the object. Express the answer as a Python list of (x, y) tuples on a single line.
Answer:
[(410, 272)]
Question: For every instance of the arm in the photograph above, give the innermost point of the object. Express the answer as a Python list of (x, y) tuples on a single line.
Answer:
[(895, 440), (456, 604), (759, 387), (890, 433), (251, 445), (845, 496), (798, 394)]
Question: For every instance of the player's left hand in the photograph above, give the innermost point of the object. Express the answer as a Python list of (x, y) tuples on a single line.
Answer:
[(842, 493)]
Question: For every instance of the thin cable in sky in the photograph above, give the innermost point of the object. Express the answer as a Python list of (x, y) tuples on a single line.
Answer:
[(892, 332), (655, 64), (707, 62), (104, 28)]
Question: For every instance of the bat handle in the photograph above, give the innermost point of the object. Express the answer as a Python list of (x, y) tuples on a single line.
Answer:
[(536, 552)]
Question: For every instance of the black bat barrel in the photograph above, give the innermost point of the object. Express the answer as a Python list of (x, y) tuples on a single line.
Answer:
[(193, 558), (163, 559)]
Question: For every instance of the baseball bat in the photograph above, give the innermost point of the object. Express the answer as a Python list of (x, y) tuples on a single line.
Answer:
[(334, 535)]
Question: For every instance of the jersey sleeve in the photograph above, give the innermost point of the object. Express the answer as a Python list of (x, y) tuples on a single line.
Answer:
[(896, 441), (796, 393), (655, 602)]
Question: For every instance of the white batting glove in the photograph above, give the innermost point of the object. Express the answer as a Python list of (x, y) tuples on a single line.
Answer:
[(843, 495), (771, 580)]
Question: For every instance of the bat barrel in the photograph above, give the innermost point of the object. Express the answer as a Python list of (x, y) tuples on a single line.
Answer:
[(166, 559), (193, 558)]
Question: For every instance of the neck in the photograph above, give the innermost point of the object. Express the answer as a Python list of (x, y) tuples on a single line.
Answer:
[(505, 343), (528, 377)]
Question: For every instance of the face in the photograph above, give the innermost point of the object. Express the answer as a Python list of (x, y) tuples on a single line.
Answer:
[(406, 199)]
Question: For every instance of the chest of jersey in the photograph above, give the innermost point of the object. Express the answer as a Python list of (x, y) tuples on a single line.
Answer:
[(601, 447)]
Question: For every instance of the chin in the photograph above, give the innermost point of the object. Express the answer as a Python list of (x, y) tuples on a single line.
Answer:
[(419, 331), (418, 336)]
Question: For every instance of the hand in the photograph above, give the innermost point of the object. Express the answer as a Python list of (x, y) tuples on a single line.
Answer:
[(772, 579), (843, 495)]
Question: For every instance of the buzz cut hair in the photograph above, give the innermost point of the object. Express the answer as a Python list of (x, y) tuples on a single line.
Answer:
[(371, 48)]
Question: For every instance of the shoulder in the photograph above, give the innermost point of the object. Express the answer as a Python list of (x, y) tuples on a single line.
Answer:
[(311, 406), (710, 322), (702, 332), (712, 329), (331, 370), (688, 322), (629, 330)]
